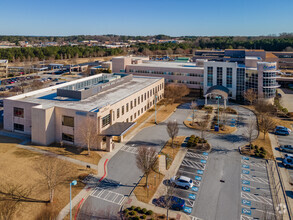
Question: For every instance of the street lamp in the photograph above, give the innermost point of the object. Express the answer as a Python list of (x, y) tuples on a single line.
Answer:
[(73, 183)]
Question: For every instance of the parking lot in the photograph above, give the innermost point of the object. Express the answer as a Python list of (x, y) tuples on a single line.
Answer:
[(284, 140), (256, 198), (192, 166)]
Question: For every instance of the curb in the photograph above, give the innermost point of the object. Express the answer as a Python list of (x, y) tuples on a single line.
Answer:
[(83, 199)]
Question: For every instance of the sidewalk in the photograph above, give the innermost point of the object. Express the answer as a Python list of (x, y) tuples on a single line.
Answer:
[(132, 201), (284, 177)]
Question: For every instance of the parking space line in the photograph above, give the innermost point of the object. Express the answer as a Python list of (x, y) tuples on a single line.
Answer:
[(244, 217), (260, 165), (258, 188), (199, 156), (254, 179), (192, 164), (259, 210), (255, 198), (181, 170), (106, 195)]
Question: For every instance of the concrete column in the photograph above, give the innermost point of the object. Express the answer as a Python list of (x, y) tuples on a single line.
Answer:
[(108, 143), (225, 103), (206, 99), (121, 138), (100, 142)]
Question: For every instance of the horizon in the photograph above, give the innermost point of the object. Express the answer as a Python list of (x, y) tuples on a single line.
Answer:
[(138, 18)]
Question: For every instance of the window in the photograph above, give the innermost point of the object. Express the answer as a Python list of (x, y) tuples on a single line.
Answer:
[(144, 96), (127, 107), (68, 137), (118, 113), (131, 105), (219, 75), (131, 118), (127, 120), (18, 127), (134, 102), (141, 110), (229, 77), (210, 76), (138, 113), (106, 120), (122, 110), (134, 115), (68, 121), (18, 112), (141, 98), (138, 100)]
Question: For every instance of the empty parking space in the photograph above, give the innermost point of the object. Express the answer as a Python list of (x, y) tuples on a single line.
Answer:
[(108, 196), (192, 166), (256, 198)]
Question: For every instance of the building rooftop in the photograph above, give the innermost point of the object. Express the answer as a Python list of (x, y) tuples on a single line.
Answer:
[(48, 97), (168, 64)]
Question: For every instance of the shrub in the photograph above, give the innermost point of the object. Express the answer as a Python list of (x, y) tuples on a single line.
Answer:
[(251, 146), (137, 209), (125, 211), (132, 208), (262, 149), (162, 216), (149, 212), (256, 147), (143, 216), (82, 176), (135, 218), (192, 136), (256, 151), (132, 213), (144, 210)]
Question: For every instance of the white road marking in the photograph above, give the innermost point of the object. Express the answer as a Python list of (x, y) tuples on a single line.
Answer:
[(106, 195), (133, 150), (257, 188), (254, 179), (192, 164), (199, 156), (260, 165), (194, 218), (259, 210), (255, 198), (244, 217)]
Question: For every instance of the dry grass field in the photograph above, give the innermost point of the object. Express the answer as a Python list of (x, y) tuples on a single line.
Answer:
[(18, 167)]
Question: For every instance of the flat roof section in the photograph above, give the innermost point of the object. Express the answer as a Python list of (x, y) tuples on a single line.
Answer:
[(49, 98), (118, 129), (168, 65)]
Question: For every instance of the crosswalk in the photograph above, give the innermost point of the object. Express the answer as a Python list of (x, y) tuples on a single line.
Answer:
[(133, 150), (193, 164), (194, 155), (254, 179), (255, 198), (108, 196)]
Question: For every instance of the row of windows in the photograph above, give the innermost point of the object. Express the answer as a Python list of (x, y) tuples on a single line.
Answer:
[(165, 73), (269, 74), (219, 75), (138, 100)]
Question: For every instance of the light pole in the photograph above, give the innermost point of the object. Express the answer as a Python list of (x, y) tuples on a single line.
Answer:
[(73, 183)]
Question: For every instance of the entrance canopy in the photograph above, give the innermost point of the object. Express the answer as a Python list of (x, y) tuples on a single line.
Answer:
[(218, 90), (118, 129)]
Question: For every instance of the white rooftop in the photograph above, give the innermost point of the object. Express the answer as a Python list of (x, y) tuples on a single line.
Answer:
[(168, 64), (48, 97)]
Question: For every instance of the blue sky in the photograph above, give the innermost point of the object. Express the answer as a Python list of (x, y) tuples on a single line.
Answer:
[(139, 17)]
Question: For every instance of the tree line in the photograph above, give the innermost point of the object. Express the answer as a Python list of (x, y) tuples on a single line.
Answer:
[(58, 52)]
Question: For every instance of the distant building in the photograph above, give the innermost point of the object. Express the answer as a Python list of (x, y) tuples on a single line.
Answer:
[(235, 73), (3, 68)]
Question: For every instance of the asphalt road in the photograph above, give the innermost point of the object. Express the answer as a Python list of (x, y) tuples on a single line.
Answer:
[(216, 200)]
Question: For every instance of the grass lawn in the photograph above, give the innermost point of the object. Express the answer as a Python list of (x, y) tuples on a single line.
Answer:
[(163, 113), (74, 153), (145, 194), (172, 152), (18, 167)]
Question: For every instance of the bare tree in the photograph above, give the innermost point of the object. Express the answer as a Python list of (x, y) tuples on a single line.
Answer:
[(193, 107), (36, 84), (146, 160), (249, 131), (170, 190), (175, 92), (53, 172), (263, 108), (89, 133), (250, 95), (266, 123), (172, 129), (203, 127), (11, 196)]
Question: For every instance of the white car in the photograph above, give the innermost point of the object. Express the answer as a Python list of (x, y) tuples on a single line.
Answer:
[(286, 148), (182, 181)]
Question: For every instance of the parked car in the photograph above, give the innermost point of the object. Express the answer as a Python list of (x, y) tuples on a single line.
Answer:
[(287, 148), (182, 181), (175, 202), (281, 130), (288, 162)]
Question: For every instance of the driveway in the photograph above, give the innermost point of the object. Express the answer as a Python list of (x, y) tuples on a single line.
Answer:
[(220, 193)]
